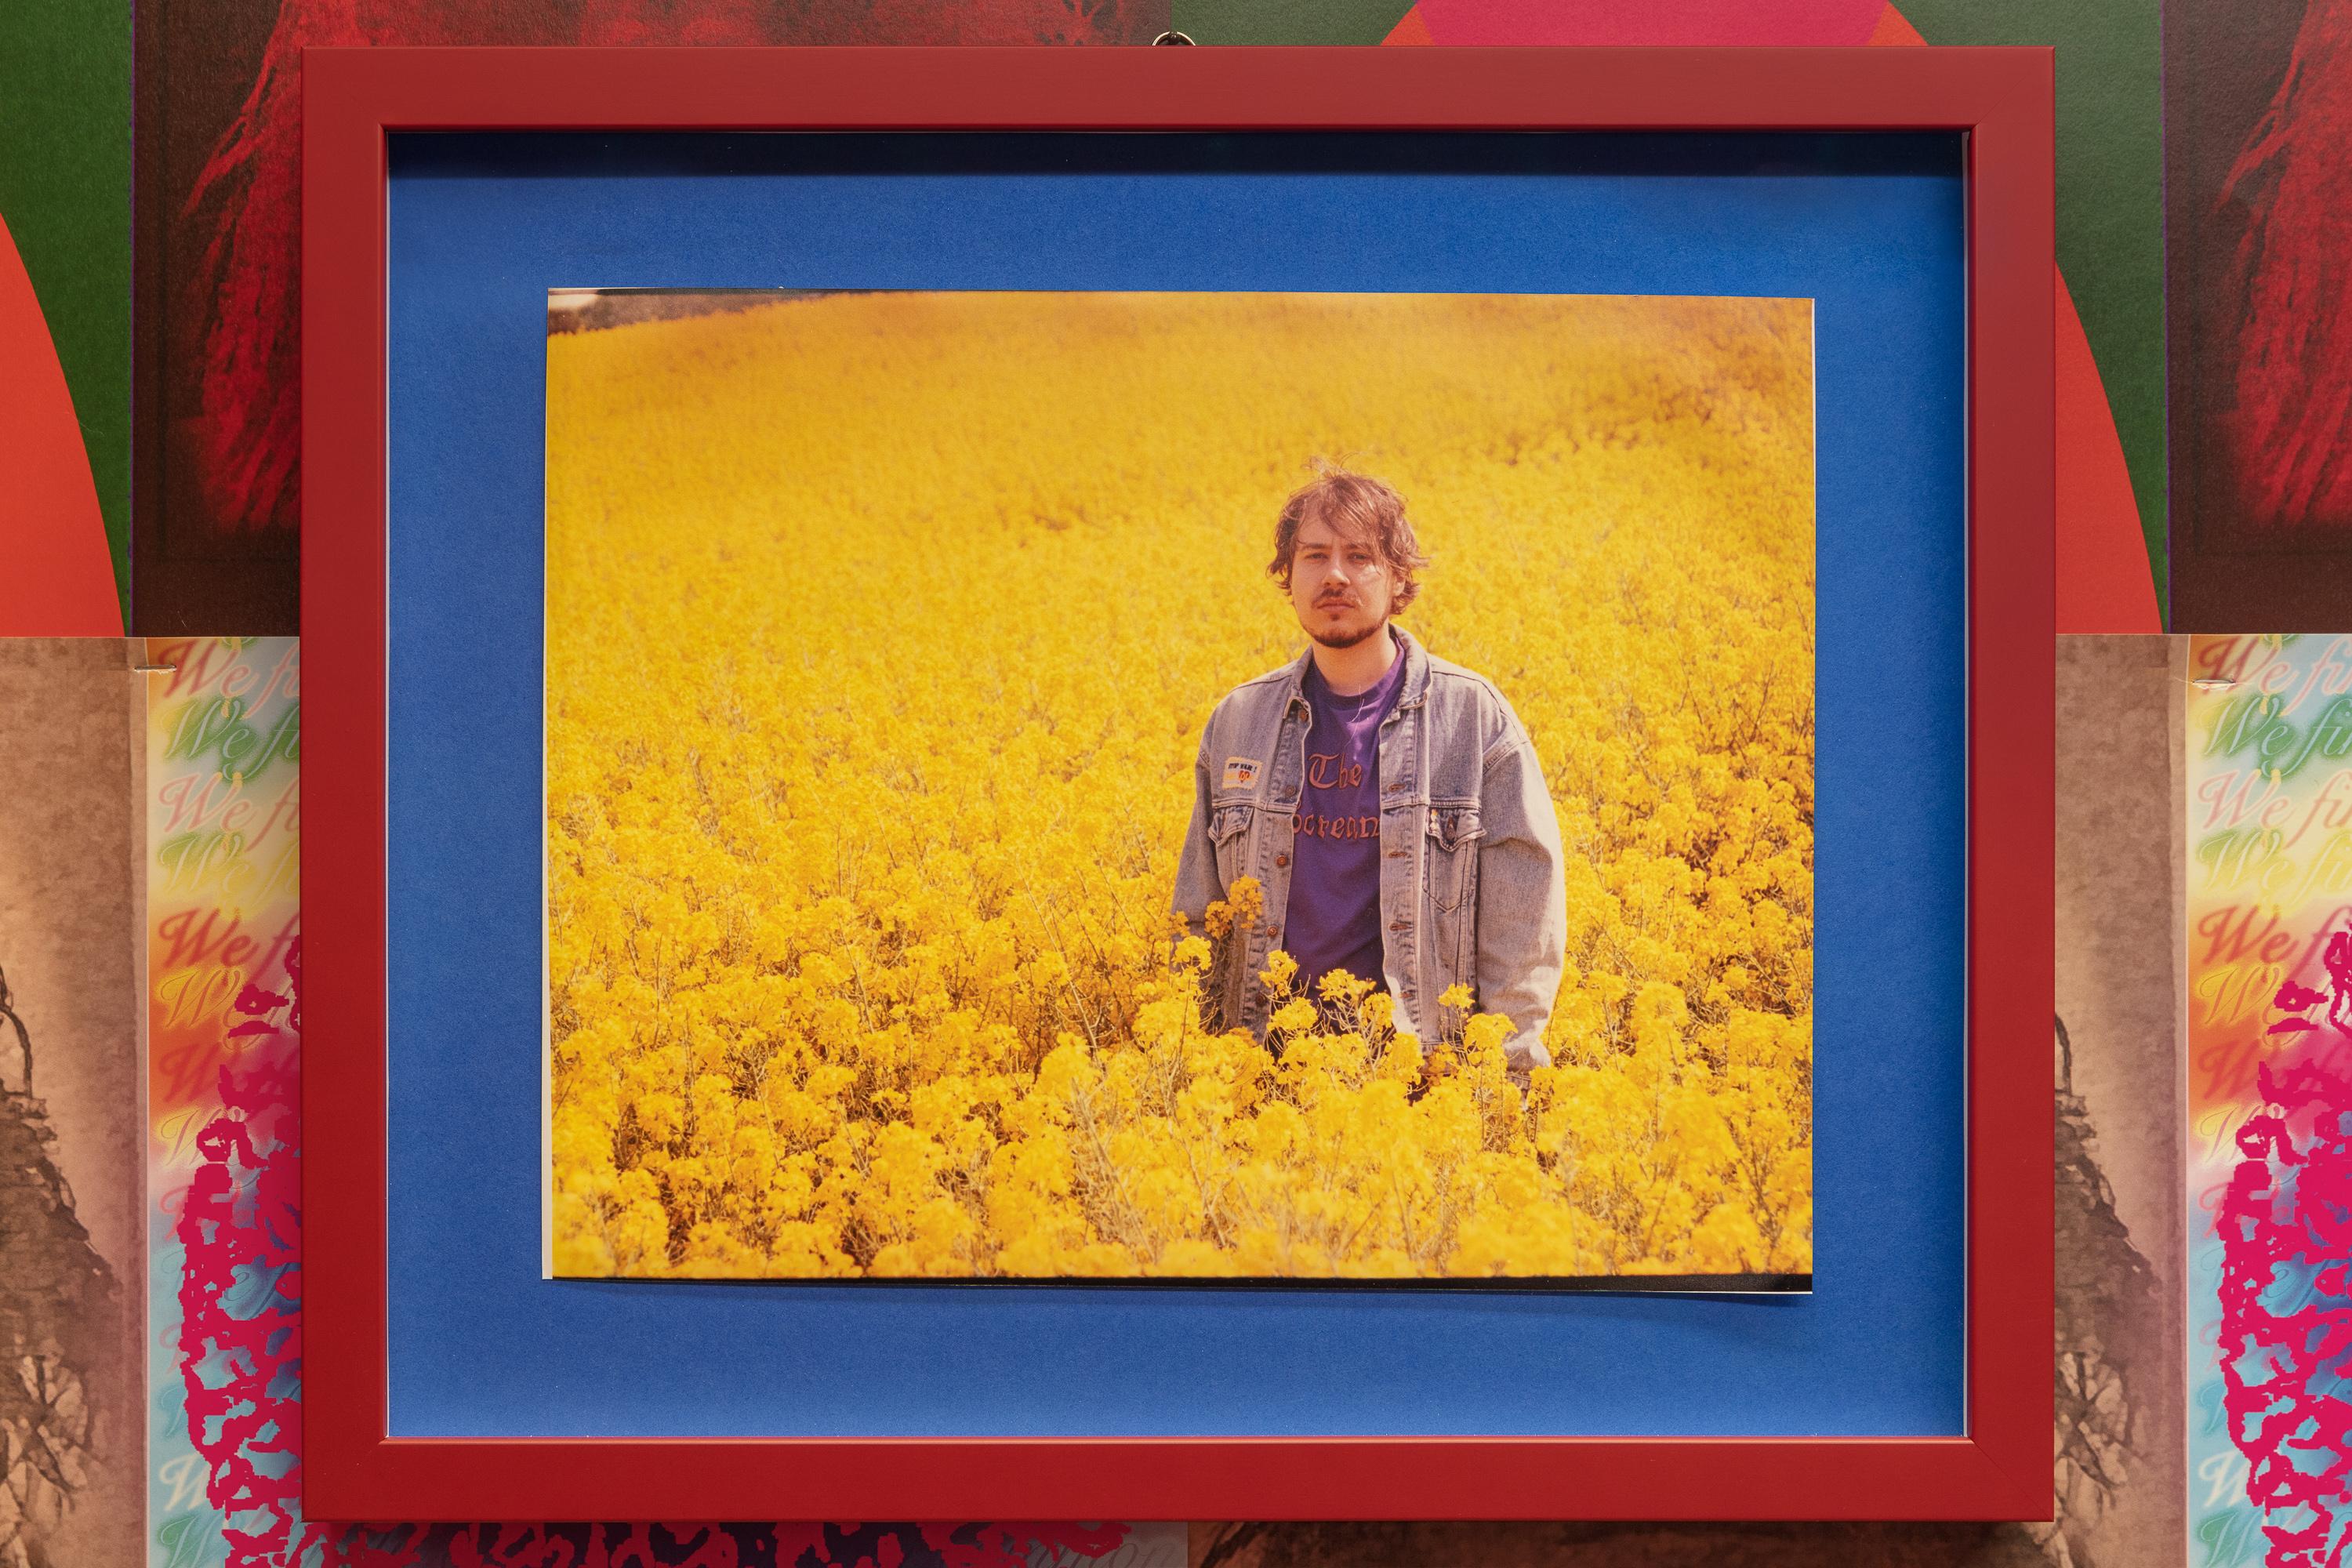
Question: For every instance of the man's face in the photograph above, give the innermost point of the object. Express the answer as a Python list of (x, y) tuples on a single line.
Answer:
[(1338, 584)]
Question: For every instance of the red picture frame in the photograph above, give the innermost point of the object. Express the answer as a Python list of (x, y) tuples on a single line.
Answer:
[(2002, 98)]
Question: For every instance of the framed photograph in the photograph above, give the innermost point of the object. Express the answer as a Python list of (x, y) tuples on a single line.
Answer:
[(989, 791)]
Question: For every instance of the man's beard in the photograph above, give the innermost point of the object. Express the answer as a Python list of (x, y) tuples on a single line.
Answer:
[(1336, 640)]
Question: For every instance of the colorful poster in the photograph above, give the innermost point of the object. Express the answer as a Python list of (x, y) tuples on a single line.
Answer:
[(2270, 988), (223, 973)]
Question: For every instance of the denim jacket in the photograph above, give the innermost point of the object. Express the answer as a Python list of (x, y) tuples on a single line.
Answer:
[(1471, 889)]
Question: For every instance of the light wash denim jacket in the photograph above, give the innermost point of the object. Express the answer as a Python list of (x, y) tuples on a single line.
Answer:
[(1470, 859)]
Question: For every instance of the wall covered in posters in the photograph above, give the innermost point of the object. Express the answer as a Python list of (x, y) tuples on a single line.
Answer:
[(2252, 138)]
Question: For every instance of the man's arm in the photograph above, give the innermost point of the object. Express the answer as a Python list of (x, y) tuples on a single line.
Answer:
[(1196, 870), (1522, 898)]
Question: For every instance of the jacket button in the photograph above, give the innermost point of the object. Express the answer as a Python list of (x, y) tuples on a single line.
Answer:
[(1397, 925), (1282, 860)]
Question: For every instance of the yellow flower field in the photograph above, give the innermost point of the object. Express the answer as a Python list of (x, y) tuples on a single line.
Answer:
[(882, 628)]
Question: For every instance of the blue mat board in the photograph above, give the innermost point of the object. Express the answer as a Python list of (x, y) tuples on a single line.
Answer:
[(1871, 227)]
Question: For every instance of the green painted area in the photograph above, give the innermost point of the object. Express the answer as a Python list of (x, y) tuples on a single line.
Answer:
[(65, 190), (2110, 200), (1287, 21)]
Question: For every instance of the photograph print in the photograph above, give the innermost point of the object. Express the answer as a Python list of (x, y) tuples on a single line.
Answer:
[(1177, 786)]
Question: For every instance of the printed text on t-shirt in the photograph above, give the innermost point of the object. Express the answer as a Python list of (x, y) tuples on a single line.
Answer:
[(1325, 770)]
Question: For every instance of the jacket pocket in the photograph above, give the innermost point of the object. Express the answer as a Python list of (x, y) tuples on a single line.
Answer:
[(1453, 835), (1229, 832)]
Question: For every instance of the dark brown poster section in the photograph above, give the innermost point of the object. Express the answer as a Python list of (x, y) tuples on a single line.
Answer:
[(213, 542), (2258, 175)]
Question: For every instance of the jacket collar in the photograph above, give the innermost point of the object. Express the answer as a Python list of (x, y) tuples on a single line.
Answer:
[(1417, 671)]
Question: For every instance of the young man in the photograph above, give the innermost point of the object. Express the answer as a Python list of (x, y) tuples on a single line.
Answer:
[(1388, 802)]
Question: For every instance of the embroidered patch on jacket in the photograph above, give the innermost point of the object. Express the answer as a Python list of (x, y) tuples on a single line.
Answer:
[(1240, 772)]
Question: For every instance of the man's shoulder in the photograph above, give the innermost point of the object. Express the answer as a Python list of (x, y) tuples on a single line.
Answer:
[(1251, 698), (1278, 676), (1463, 702), (1463, 684), (1274, 683)]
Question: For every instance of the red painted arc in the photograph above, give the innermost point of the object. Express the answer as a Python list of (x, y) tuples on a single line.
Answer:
[(2104, 582), (59, 577)]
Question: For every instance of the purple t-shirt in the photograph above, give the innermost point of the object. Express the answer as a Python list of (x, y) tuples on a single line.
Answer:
[(1333, 918)]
